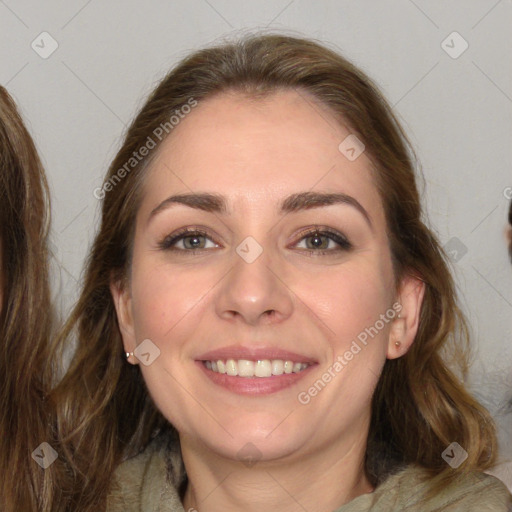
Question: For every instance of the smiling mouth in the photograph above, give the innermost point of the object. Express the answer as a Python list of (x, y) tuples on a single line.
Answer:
[(263, 368)]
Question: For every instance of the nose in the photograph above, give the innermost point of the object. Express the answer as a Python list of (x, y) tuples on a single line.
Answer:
[(255, 292)]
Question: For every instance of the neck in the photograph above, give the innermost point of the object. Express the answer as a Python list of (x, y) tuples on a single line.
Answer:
[(317, 482)]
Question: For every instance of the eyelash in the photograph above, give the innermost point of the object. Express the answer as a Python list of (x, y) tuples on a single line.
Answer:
[(167, 243)]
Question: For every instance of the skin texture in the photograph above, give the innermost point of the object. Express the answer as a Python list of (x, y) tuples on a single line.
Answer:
[(257, 153)]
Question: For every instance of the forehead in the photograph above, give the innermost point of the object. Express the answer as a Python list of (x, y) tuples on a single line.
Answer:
[(259, 150)]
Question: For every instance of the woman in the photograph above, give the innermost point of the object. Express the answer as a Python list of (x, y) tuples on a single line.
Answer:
[(264, 311), (25, 318)]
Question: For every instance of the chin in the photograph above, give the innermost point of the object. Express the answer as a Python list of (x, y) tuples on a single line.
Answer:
[(251, 448), (251, 438)]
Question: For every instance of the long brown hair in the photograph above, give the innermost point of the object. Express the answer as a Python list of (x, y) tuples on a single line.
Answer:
[(26, 315), (419, 407)]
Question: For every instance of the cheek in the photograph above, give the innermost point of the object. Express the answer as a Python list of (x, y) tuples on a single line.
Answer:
[(163, 298), (349, 299), (352, 302)]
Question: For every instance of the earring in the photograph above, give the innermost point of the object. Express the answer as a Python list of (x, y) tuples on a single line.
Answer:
[(128, 354), (398, 343)]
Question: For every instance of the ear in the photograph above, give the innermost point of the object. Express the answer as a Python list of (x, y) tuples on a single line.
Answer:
[(121, 295), (405, 324)]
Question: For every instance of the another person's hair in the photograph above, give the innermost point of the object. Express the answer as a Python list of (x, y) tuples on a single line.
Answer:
[(25, 317), (509, 405), (420, 405), (510, 231)]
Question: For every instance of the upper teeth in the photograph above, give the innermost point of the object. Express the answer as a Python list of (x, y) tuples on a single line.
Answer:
[(260, 368)]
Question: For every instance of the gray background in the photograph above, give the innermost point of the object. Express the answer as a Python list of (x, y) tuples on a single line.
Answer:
[(458, 112)]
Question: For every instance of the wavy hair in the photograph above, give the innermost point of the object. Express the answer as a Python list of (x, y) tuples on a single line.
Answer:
[(26, 316), (420, 405)]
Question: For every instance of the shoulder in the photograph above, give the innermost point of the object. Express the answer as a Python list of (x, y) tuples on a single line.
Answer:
[(405, 491), (474, 491), (503, 471), (147, 482)]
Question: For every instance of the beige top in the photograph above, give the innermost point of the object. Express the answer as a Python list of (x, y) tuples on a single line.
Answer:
[(145, 484)]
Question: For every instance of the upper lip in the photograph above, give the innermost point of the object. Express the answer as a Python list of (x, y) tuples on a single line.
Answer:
[(253, 353)]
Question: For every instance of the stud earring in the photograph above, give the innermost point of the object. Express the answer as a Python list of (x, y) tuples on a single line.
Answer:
[(128, 354), (398, 343)]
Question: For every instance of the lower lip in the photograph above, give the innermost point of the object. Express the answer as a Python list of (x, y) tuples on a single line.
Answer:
[(254, 386)]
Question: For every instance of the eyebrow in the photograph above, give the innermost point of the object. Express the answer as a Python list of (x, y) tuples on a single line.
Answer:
[(216, 203)]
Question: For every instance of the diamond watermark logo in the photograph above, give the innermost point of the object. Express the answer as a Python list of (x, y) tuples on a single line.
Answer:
[(455, 248), (249, 455), (44, 45), (146, 352), (351, 147), (249, 250), (45, 455), (455, 455), (454, 45)]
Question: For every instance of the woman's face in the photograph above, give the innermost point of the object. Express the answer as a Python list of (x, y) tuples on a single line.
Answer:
[(259, 285)]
